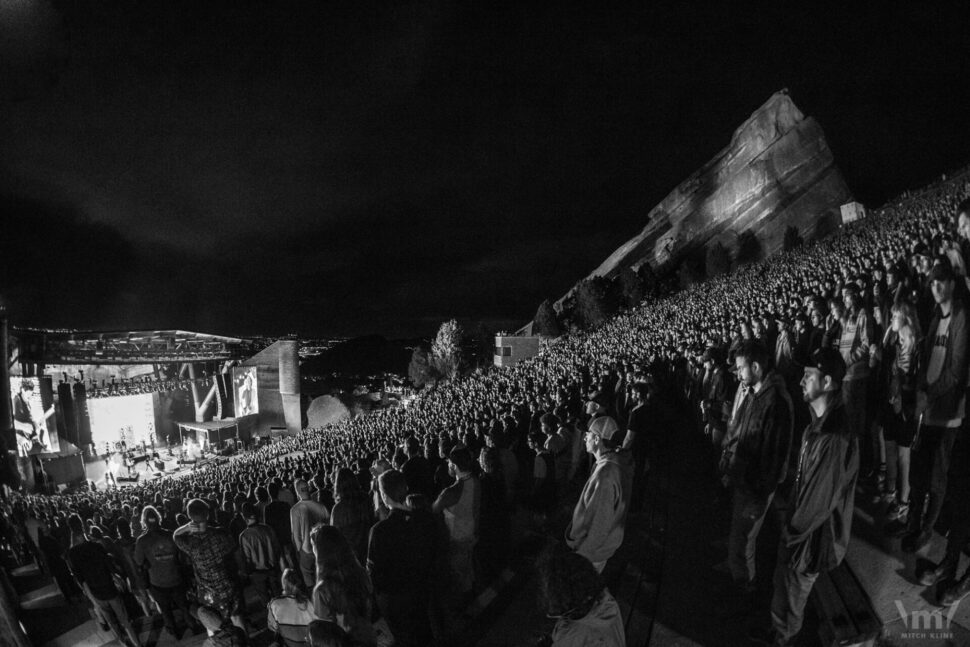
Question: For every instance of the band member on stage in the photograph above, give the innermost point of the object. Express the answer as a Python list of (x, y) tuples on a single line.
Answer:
[(246, 394), (129, 462), (31, 427)]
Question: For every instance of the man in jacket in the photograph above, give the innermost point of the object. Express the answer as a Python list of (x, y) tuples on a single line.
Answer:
[(599, 519), (940, 403), (756, 456), (716, 399), (156, 553), (818, 525), (260, 555)]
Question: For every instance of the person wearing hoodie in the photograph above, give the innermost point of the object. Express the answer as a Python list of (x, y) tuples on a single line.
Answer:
[(597, 526), (755, 456)]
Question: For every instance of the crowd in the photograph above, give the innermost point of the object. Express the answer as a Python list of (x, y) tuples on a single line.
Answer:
[(843, 360)]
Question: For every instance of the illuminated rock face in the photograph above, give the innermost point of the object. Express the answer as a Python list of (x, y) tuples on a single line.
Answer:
[(777, 171)]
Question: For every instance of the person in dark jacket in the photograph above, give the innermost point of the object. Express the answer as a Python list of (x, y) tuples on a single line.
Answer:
[(158, 556), (756, 456), (818, 525), (715, 402), (400, 560), (940, 403)]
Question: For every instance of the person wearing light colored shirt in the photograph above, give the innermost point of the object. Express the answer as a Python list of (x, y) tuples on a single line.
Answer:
[(304, 515)]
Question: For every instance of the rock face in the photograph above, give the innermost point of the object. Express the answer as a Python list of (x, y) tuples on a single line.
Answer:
[(777, 171)]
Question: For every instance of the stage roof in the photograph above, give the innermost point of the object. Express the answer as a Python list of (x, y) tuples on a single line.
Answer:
[(127, 347)]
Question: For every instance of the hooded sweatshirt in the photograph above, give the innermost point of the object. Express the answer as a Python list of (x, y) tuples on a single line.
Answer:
[(596, 530)]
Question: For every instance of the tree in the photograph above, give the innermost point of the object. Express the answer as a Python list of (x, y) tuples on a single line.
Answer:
[(749, 247), (649, 280), (691, 268), (420, 369), (446, 349), (718, 260), (593, 305), (545, 322), (793, 239), (631, 287)]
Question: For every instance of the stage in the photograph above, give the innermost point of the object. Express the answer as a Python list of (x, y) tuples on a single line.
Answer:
[(97, 468)]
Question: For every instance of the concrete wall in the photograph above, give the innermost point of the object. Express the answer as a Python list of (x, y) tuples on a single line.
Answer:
[(278, 383), (517, 349)]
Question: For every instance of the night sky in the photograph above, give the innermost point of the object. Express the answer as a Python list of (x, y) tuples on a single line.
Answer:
[(354, 167)]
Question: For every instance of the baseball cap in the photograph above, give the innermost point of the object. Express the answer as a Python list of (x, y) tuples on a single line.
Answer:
[(604, 427), (942, 272), (829, 362), (593, 407)]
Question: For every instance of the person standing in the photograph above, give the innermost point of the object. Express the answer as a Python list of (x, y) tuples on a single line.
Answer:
[(715, 399), (123, 550), (599, 518), (418, 470), (304, 515), (940, 399), (156, 552), (212, 553), (637, 441), (276, 515), (818, 524), (756, 456), (261, 555), (854, 341), (400, 560), (461, 504), (93, 569)]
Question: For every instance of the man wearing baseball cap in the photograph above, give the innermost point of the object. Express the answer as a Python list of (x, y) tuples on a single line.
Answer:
[(598, 522), (819, 520), (940, 401)]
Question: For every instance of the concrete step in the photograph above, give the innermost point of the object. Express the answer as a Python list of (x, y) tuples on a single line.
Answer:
[(27, 570), (46, 597)]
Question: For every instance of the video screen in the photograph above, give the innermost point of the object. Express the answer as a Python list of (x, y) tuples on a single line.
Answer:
[(33, 415), (128, 419), (245, 391)]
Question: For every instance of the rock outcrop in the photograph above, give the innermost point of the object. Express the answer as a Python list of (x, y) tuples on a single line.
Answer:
[(776, 172)]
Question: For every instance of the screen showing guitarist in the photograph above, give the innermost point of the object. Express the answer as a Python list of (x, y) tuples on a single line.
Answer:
[(30, 419)]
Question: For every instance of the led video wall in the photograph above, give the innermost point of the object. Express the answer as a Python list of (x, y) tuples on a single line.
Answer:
[(128, 418), (245, 391), (33, 412)]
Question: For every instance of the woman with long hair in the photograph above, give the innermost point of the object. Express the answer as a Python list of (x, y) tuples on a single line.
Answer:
[(898, 413), (572, 592), (352, 513), (289, 615), (344, 592)]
